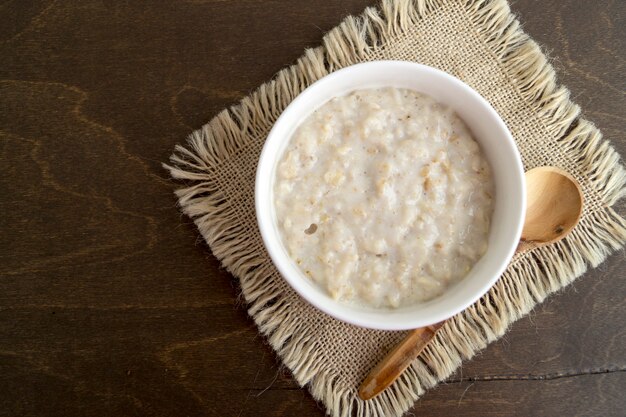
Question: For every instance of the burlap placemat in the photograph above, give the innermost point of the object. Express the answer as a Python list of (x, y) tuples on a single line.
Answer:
[(478, 41)]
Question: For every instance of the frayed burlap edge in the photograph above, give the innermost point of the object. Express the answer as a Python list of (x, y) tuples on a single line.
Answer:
[(531, 276)]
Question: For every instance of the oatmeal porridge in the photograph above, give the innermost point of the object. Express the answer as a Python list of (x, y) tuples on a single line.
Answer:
[(383, 198)]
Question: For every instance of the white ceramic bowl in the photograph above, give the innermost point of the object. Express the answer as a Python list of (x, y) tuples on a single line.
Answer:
[(488, 129)]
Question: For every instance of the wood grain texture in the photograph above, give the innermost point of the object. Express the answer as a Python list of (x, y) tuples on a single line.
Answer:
[(110, 304)]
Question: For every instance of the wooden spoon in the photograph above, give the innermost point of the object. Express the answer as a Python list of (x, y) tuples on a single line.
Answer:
[(554, 203)]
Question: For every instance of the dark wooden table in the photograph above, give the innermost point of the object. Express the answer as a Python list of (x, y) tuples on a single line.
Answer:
[(110, 303)]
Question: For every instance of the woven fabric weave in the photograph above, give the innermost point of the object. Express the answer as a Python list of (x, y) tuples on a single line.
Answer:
[(478, 41)]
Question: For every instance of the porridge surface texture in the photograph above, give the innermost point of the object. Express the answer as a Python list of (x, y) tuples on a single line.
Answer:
[(383, 198)]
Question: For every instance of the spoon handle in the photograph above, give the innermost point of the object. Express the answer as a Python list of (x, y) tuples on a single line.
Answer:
[(396, 361)]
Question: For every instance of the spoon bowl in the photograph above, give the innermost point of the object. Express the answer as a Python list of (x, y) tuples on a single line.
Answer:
[(554, 204)]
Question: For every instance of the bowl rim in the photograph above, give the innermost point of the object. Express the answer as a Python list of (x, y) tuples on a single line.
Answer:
[(270, 235)]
